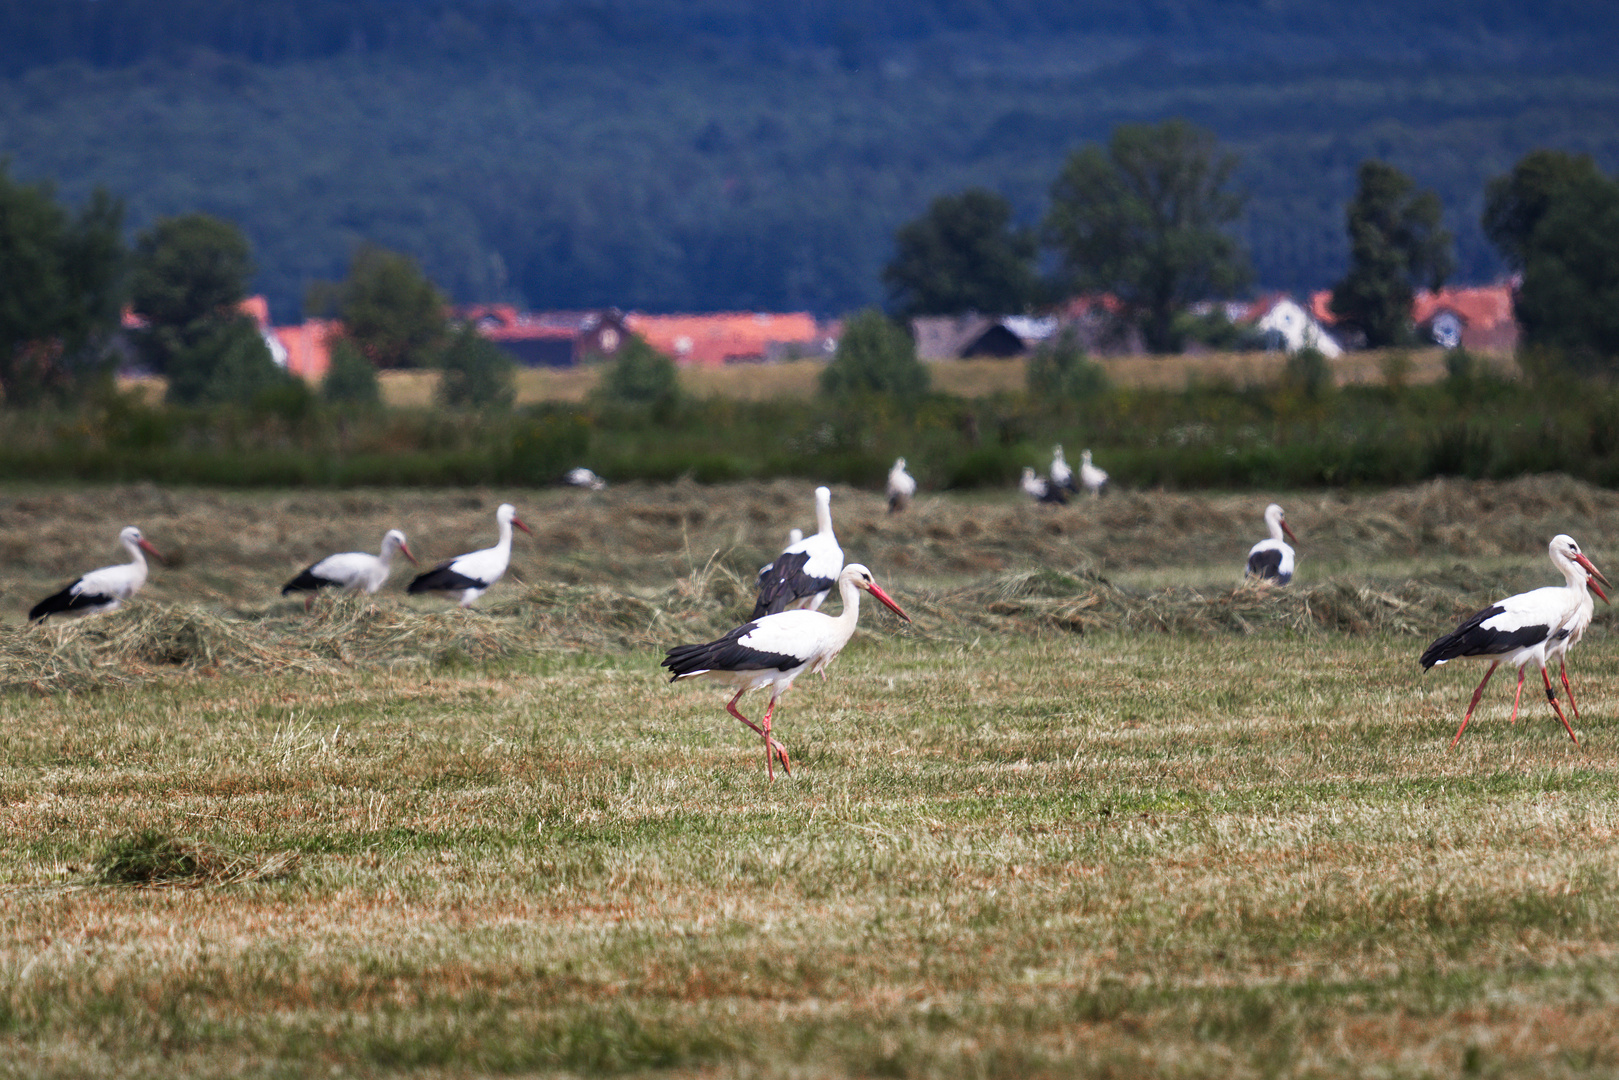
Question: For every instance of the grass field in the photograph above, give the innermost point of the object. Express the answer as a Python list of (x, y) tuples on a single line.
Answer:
[(1100, 811)]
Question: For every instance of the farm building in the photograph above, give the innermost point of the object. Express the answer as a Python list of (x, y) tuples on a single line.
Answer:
[(734, 337), (548, 338)]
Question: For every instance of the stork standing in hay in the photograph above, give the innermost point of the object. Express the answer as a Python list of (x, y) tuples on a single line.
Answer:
[(1272, 560), (803, 575), (101, 590), (350, 571)]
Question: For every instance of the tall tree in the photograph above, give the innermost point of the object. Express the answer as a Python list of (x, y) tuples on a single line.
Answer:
[(1396, 245), (394, 315), (191, 275), (61, 288), (1146, 220), (1514, 204), (963, 255), (1569, 300)]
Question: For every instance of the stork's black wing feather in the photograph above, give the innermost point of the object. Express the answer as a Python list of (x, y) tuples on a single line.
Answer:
[(1473, 638), (443, 579), (66, 602), (786, 582), (727, 653), (1266, 564), (309, 581)]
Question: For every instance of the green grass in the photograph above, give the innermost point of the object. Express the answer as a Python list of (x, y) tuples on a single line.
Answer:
[(1032, 835), (1034, 856)]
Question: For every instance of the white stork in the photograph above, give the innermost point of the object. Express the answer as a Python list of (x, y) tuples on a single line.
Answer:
[(803, 575), (901, 487), (1272, 560), (351, 571), (104, 589), (776, 649), (583, 478), (1061, 474), (469, 576), (1091, 478), (1040, 489), (1525, 627)]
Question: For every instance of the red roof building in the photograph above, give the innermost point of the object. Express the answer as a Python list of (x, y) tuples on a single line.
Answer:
[(733, 337)]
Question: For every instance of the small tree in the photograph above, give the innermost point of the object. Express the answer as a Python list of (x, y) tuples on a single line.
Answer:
[(874, 357), (191, 275), (477, 374), (1060, 369), (640, 375), (963, 255), (392, 313), (1515, 204), (1569, 301), (1396, 245), (351, 380), (61, 287)]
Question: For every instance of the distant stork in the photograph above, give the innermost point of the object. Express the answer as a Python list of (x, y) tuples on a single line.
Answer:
[(901, 487), (803, 575), (1525, 627), (352, 571), (776, 649), (1272, 560), (104, 589), (583, 478), (469, 576), (1061, 474), (1091, 478), (1040, 489)]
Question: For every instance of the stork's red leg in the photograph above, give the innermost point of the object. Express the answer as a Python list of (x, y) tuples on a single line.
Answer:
[(1551, 696), (770, 760), (781, 750), (1471, 705), (1562, 669), (1518, 696)]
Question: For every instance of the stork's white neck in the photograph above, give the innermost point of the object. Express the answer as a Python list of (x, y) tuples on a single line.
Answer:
[(823, 515), (1275, 523), (136, 555)]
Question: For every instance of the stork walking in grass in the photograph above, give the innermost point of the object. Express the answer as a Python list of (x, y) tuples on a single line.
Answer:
[(803, 575), (1091, 478), (1533, 626), (1272, 560), (901, 487), (1040, 489), (467, 577), (351, 571), (104, 589), (776, 649)]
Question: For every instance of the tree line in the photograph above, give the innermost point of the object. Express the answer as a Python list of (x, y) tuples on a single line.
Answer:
[(1148, 218)]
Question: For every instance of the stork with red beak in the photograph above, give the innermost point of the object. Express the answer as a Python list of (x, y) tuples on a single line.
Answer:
[(776, 649), (1272, 560), (101, 590), (1537, 625), (469, 576), (350, 571)]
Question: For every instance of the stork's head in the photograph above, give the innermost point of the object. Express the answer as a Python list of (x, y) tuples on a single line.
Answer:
[(393, 538), (1564, 549), (862, 579), (131, 537), (508, 513), (1276, 519)]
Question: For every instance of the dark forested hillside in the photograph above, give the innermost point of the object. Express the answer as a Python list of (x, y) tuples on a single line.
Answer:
[(716, 153)]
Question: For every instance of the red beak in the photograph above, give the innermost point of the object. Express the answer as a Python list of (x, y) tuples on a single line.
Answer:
[(876, 590), (406, 552), (1596, 576), (158, 555), (1288, 531), (520, 525)]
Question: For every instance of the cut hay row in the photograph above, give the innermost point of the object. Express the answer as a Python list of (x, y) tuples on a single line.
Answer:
[(147, 639)]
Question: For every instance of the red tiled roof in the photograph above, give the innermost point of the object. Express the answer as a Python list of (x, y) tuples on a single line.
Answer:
[(309, 347), (1481, 307), (726, 336)]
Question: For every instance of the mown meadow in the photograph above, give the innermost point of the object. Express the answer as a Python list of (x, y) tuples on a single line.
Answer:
[(1101, 810)]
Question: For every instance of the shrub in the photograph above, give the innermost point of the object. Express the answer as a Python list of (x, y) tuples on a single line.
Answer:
[(1060, 369), (641, 376), (874, 357), (477, 374), (219, 362), (351, 380), (1308, 373)]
